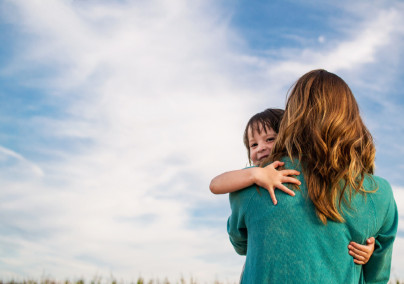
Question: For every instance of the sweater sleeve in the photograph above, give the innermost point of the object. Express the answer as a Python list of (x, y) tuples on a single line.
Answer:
[(236, 224), (377, 270)]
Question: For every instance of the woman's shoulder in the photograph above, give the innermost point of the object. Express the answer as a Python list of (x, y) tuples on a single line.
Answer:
[(380, 191), (242, 198), (291, 163), (377, 184), (382, 182), (244, 193)]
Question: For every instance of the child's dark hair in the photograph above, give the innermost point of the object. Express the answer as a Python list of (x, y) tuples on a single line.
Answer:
[(269, 118)]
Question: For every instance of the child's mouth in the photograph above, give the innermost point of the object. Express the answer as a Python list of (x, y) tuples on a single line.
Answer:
[(263, 157)]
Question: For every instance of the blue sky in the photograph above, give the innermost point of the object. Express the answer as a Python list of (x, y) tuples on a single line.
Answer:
[(115, 115)]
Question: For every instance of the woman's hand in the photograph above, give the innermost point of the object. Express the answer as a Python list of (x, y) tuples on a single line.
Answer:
[(362, 253), (270, 178)]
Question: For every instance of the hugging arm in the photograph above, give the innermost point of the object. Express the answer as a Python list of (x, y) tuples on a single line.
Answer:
[(377, 270), (267, 177), (233, 181)]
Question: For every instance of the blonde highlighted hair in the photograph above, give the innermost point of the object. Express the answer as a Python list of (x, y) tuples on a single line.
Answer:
[(323, 129)]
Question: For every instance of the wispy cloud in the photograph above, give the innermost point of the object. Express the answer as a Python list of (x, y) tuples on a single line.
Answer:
[(13, 161), (141, 85)]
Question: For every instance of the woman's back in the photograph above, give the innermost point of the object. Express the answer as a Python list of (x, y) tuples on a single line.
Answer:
[(305, 238), (288, 243)]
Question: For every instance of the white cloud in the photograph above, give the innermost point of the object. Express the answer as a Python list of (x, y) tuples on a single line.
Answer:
[(144, 93), (362, 45)]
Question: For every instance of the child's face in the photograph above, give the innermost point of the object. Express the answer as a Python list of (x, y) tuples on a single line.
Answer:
[(260, 144)]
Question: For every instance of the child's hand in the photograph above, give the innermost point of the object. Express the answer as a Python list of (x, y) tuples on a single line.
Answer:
[(362, 253), (270, 178)]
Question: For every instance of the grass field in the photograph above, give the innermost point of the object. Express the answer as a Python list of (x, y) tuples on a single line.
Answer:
[(140, 280)]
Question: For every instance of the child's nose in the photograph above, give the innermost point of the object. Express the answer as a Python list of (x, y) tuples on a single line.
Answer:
[(263, 147)]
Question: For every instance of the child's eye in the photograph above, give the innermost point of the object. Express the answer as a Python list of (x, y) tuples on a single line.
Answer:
[(270, 139), (253, 145)]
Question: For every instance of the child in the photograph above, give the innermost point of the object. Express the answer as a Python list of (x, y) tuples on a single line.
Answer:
[(259, 138)]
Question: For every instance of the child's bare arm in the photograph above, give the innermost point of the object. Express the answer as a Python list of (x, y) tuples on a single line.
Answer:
[(268, 178), (362, 253), (232, 181)]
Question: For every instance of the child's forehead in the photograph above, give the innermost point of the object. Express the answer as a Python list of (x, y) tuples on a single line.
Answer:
[(258, 127)]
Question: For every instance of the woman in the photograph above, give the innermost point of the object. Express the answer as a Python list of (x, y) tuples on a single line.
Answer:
[(305, 238)]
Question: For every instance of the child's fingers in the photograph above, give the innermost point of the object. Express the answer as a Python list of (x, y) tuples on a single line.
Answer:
[(358, 249), (357, 256), (272, 194), (286, 190), (370, 241), (291, 180), (289, 172), (359, 262), (277, 164)]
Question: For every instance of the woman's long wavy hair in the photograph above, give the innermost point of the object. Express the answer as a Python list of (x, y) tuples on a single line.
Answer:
[(322, 128)]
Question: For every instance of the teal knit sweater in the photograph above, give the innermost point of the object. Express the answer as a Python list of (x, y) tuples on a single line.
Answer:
[(287, 243)]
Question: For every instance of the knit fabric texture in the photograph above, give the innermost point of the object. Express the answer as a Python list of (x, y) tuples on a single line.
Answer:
[(287, 242)]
